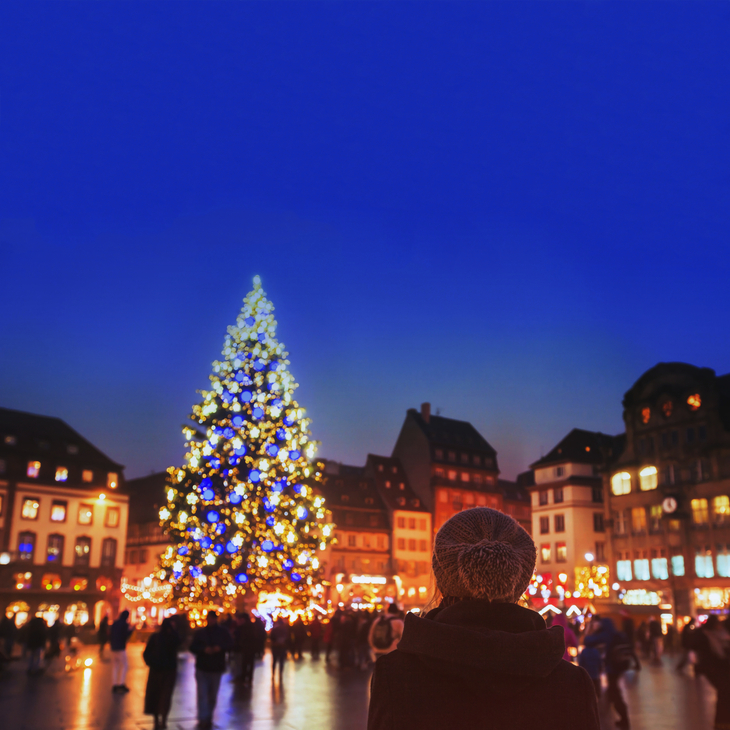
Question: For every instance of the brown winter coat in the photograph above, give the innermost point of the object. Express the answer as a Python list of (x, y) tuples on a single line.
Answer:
[(477, 665)]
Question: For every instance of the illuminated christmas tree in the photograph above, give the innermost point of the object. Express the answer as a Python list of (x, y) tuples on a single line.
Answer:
[(242, 514)]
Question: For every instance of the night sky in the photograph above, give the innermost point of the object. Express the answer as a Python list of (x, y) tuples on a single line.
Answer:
[(509, 210)]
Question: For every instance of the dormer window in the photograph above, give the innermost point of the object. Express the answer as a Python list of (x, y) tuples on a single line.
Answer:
[(34, 468), (559, 471), (694, 402), (621, 483), (645, 414), (667, 408), (61, 474)]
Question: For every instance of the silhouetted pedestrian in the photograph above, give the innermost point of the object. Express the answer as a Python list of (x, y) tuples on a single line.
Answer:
[(299, 636), (712, 644), (160, 655), (686, 644), (118, 637), (279, 638), (315, 636), (8, 632), (36, 643), (244, 647), (102, 634)]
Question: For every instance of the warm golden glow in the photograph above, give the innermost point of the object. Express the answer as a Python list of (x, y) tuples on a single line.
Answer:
[(645, 414), (30, 509), (621, 483), (648, 478), (61, 474), (34, 468), (694, 401)]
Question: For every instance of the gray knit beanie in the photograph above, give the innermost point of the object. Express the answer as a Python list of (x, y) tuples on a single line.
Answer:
[(483, 553)]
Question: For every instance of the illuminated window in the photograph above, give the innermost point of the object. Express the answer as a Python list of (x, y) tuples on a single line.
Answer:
[(703, 563), (452, 475), (641, 569), (678, 565), (401, 522), (51, 582), (439, 472), (87, 475), (619, 522), (112, 517), (476, 478), (645, 414), (26, 545), (721, 509), (659, 569), (77, 584), (481, 500), (412, 545), (561, 552), (694, 402), (411, 523), (61, 473), (723, 561), (112, 480), (29, 510), (623, 570), (401, 542), (648, 478), (34, 468), (621, 483), (23, 581), (58, 511), (667, 408), (10, 440), (54, 552), (86, 514), (638, 519), (699, 512), (655, 517), (82, 551), (465, 476), (545, 552)]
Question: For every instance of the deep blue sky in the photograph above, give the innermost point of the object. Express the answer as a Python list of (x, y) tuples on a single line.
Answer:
[(510, 210)]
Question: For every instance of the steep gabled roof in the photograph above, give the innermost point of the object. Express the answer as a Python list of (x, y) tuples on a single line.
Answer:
[(351, 482), (392, 483), (36, 434), (580, 447), (450, 433), (513, 491)]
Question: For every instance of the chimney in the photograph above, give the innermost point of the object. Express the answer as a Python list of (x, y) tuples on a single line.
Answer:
[(426, 412)]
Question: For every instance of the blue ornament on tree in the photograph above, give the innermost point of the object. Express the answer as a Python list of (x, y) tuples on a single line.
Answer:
[(213, 516), (245, 396), (208, 494), (267, 546), (237, 421), (241, 578), (254, 476), (257, 412), (272, 449), (250, 321), (234, 498)]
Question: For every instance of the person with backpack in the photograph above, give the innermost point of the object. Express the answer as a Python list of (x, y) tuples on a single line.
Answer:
[(160, 655), (480, 661), (618, 658), (386, 631)]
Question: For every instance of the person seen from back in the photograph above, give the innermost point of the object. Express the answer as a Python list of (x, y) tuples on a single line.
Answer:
[(118, 637), (479, 660)]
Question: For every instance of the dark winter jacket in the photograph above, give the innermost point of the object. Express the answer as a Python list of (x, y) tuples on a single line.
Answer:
[(161, 650), (607, 637), (119, 633), (211, 636), (37, 633), (480, 666)]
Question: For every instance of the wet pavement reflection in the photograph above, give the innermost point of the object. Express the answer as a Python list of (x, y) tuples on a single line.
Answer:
[(312, 696)]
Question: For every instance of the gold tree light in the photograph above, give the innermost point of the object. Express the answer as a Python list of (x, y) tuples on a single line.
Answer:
[(241, 514)]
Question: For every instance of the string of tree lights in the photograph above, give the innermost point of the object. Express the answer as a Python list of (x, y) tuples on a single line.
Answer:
[(242, 514)]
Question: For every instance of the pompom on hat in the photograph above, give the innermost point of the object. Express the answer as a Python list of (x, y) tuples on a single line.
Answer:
[(483, 553)]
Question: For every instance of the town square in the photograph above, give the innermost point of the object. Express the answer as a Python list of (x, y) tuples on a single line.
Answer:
[(364, 366)]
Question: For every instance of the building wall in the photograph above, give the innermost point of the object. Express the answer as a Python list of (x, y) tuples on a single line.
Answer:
[(413, 451), (412, 535), (562, 471), (453, 498)]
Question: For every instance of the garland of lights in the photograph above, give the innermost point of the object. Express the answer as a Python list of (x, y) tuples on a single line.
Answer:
[(154, 592), (242, 513)]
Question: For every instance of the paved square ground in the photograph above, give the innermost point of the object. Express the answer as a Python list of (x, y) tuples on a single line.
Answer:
[(313, 696)]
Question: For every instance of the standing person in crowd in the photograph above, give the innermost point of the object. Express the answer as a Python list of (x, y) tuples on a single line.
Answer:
[(118, 637), (386, 631), (642, 634), (36, 642), (571, 641), (160, 655), (479, 660), (330, 633), (656, 640), (686, 644), (103, 633), (363, 657), (347, 636), (209, 646), (8, 631), (315, 636), (618, 657), (260, 635), (299, 635), (54, 639), (590, 660), (279, 637), (712, 644), (244, 645)]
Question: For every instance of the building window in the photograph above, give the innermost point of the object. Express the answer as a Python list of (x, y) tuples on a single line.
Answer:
[(638, 521), (601, 552), (411, 523), (34, 468), (645, 414), (133, 557), (86, 514), (82, 551), (423, 546), (559, 471), (439, 454), (597, 495), (561, 552), (401, 522), (422, 524), (641, 568), (699, 512), (352, 540), (381, 542), (678, 565), (621, 483), (452, 475), (412, 545), (452, 456), (558, 495), (543, 498), (690, 435), (443, 496), (380, 467), (87, 475), (544, 525), (61, 473), (703, 563), (694, 401), (721, 509), (659, 569), (668, 474), (108, 552), (598, 525), (26, 545), (401, 543), (477, 461), (58, 510), (623, 570), (439, 472), (545, 552), (112, 480), (619, 522), (723, 561), (112, 517), (559, 523), (29, 510), (648, 478), (481, 500), (54, 553), (655, 518), (387, 485), (465, 458)]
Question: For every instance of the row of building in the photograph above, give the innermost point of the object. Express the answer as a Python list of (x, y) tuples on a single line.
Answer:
[(640, 520)]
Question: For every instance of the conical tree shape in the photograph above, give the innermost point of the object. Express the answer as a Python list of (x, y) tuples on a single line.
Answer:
[(242, 514)]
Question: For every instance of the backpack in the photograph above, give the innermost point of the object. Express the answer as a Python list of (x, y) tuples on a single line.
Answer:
[(382, 633), (620, 655)]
